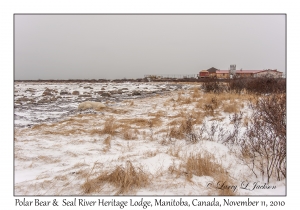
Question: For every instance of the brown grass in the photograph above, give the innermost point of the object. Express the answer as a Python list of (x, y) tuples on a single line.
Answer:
[(110, 126), (126, 180), (232, 107), (176, 170), (157, 114), (196, 93), (116, 111), (183, 99), (72, 154), (150, 153), (47, 159), (107, 143), (64, 132), (141, 122), (174, 150), (185, 126), (38, 127), (205, 164), (246, 121), (128, 134), (212, 103)]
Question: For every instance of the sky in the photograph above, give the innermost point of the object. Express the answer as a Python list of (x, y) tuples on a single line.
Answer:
[(118, 46)]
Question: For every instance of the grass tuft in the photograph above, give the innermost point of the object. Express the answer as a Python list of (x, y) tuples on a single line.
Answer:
[(125, 179)]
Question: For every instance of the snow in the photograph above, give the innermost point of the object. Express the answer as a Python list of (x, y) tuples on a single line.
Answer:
[(55, 147)]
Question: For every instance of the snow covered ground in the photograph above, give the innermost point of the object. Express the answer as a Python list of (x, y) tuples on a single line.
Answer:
[(58, 149)]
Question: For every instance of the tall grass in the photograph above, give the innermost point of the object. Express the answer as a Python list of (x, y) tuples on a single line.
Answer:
[(125, 180)]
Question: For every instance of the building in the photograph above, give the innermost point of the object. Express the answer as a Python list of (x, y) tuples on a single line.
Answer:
[(203, 74), (212, 70), (232, 72)]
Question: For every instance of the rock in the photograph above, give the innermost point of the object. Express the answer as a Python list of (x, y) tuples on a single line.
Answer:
[(106, 94), (44, 100), (30, 90), (113, 92), (84, 95), (64, 93), (87, 87), (103, 88), (136, 93), (75, 92), (47, 92), (23, 99), (98, 92)]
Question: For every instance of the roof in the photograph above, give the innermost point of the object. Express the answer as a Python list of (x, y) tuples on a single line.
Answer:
[(275, 70), (239, 71), (212, 70)]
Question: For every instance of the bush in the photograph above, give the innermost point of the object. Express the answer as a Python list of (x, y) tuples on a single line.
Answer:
[(213, 85), (259, 85), (264, 143)]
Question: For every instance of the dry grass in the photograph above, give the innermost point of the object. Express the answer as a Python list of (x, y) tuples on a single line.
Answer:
[(47, 159), (205, 164), (175, 122), (157, 114), (183, 99), (212, 103), (74, 120), (116, 111), (128, 134), (196, 93), (176, 170), (197, 117), (110, 126), (184, 128), (107, 143), (150, 153), (39, 127), (175, 150), (141, 122), (246, 121), (72, 154), (231, 107), (126, 180), (67, 132)]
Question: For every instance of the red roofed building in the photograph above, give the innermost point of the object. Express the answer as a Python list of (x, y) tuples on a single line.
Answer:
[(245, 73)]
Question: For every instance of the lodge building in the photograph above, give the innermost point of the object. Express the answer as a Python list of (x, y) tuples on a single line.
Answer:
[(232, 72)]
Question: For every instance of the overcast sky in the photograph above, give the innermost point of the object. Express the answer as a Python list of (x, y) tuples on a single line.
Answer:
[(130, 46)]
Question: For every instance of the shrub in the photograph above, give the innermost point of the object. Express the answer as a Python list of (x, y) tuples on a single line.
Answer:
[(213, 85), (264, 143), (185, 130), (259, 85)]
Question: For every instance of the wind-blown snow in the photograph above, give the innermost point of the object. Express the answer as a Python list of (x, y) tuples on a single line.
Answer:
[(56, 145)]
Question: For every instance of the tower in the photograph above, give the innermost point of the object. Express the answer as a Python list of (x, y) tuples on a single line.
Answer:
[(232, 70)]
